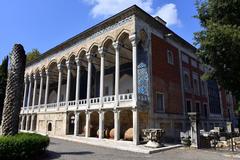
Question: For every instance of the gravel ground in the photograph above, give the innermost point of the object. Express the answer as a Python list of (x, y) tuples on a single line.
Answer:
[(65, 150)]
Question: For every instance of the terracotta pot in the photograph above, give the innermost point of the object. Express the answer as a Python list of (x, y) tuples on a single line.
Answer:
[(111, 135), (128, 135), (106, 133)]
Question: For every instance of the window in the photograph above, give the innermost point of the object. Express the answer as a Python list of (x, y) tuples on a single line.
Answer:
[(205, 112), (188, 106), (49, 126), (187, 85), (160, 102), (197, 107), (185, 58), (170, 57), (196, 87), (204, 88)]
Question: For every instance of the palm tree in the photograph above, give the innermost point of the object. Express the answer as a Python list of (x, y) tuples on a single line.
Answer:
[(14, 91)]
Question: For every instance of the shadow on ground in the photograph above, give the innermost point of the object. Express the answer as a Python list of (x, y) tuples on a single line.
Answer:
[(49, 155)]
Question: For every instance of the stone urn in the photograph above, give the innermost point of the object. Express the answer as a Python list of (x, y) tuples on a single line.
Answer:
[(128, 135), (154, 137)]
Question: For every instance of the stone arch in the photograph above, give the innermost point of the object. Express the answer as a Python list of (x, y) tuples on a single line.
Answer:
[(121, 33), (82, 52), (92, 47), (143, 38), (126, 124), (82, 123), (108, 124), (106, 40), (49, 127), (70, 123), (72, 54), (50, 63), (94, 124), (62, 60), (53, 80)]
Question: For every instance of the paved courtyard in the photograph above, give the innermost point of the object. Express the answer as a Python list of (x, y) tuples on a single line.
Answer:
[(65, 150)]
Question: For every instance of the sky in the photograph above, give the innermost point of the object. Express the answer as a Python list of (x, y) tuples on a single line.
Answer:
[(43, 24)]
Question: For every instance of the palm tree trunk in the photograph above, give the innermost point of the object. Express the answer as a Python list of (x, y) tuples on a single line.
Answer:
[(14, 91)]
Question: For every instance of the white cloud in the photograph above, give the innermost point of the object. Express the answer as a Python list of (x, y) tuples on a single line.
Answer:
[(107, 8), (169, 14)]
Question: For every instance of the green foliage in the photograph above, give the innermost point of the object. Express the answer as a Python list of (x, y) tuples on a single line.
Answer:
[(3, 83), (22, 146), (219, 41), (34, 54)]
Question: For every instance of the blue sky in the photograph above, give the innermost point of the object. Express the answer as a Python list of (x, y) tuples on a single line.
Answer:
[(43, 24)]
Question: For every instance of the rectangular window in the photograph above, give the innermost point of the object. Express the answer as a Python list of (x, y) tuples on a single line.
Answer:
[(196, 87), (205, 110), (170, 57), (160, 102), (198, 107), (186, 81), (188, 106)]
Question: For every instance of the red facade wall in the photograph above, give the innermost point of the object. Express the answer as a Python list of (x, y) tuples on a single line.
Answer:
[(166, 77), (191, 96)]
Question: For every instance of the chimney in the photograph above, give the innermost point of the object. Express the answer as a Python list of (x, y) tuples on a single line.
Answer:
[(160, 20)]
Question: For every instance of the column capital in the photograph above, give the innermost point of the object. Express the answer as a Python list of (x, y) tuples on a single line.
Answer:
[(59, 66), (34, 76), (89, 57), (46, 71), (77, 60), (30, 78), (116, 45), (68, 64), (133, 39), (102, 51)]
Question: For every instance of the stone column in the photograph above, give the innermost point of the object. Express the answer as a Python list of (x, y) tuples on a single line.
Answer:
[(76, 124), (78, 80), (27, 123), (40, 90), (34, 91), (46, 90), (22, 122), (101, 52), (25, 92), (59, 85), (117, 66), (135, 127), (29, 92), (195, 133), (32, 120), (68, 82), (87, 129), (89, 79), (116, 125), (134, 66), (101, 125)]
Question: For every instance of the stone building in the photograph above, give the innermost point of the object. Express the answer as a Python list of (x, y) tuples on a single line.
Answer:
[(126, 73)]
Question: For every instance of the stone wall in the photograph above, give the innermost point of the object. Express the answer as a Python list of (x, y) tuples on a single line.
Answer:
[(57, 120)]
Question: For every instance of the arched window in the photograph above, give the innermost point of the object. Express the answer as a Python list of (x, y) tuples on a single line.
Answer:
[(49, 126)]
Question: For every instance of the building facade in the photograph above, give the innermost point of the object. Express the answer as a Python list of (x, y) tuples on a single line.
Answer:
[(125, 74)]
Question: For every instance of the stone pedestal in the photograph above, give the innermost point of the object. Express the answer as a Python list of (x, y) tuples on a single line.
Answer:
[(194, 133), (154, 137)]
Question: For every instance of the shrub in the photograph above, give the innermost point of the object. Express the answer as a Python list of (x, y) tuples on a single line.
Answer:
[(22, 146)]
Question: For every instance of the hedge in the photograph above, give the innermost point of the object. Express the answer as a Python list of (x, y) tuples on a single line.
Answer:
[(22, 146)]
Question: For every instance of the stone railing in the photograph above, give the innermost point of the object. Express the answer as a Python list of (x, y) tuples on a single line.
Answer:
[(125, 97), (108, 99), (94, 100)]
